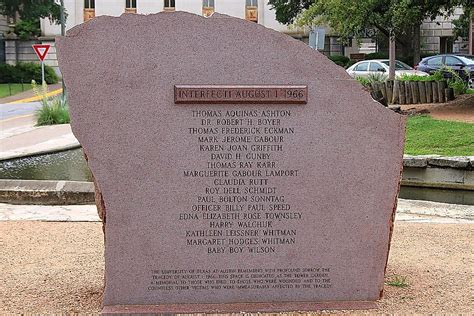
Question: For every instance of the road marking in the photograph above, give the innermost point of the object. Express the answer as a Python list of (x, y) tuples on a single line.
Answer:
[(15, 117), (37, 98)]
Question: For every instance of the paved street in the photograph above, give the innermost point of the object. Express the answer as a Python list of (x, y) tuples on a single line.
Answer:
[(9, 110)]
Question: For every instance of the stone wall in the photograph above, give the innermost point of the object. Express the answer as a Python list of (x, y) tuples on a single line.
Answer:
[(433, 33), (439, 172), (3, 25), (22, 51), (3, 31)]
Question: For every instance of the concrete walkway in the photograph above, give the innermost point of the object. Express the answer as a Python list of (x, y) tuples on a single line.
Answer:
[(407, 211), (27, 140), (19, 137)]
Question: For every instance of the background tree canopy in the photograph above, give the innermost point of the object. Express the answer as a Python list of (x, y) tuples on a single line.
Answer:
[(29, 13), (31, 9), (350, 18)]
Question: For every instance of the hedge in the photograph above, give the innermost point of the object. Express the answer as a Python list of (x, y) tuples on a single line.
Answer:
[(339, 60), (26, 72)]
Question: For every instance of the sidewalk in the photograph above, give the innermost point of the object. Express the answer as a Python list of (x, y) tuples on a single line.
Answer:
[(19, 137)]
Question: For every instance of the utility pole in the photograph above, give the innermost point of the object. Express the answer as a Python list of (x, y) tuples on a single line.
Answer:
[(63, 22), (471, 35), (391, 56), (63, 33)]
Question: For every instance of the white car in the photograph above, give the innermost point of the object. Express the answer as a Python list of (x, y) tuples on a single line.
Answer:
[(380, 66)]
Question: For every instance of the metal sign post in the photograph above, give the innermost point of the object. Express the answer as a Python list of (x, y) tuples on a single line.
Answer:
[(317, 38), (41, 51), (42, 72)]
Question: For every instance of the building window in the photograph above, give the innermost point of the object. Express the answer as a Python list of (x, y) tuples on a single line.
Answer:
[(130, 6), (446, 45), (169, 5), (207, 7), (251, 10), (89, 10)]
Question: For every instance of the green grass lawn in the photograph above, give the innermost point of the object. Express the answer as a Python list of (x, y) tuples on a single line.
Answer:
[(425, 136), (15, 88), (470, 91)]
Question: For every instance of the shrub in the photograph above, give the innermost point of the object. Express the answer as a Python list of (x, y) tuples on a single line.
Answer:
[(53, 111), (459, 87), (350, 63), (437, 75), (364, 81), (371, 78), (6, 73), (340, 60), (377, 55), (377, 77), (26, 72), (456, 82), (408, 77)]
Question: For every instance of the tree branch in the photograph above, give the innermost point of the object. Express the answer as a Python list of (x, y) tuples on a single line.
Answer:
[(386, 32)]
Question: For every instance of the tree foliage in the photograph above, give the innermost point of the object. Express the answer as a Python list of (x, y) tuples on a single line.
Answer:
[(31, 10), (287, 10), (461, 25), (350, 18)]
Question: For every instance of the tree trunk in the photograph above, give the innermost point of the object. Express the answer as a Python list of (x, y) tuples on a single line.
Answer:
[(416, 45), (391, 57), (471, 36), (389, 87)]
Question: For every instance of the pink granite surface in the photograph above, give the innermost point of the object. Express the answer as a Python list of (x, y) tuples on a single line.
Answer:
[(333, 175)]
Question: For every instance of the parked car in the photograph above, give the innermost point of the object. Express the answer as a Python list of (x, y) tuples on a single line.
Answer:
[(461, 64), (380, 66)]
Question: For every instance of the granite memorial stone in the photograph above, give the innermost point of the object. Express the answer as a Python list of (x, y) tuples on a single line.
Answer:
[(240, 170)]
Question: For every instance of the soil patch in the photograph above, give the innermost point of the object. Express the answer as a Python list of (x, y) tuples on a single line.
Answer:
[(59, 267), (461, 109)]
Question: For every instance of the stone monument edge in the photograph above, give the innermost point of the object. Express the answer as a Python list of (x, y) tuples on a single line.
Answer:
[(402, 139), (271, 307)]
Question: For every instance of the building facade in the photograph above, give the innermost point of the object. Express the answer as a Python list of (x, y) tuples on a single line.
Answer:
[(258, 11), (4, 28), (437, 36), (80, 11)]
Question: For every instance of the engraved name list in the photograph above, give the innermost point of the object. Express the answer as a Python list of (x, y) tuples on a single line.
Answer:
[(241, 208)]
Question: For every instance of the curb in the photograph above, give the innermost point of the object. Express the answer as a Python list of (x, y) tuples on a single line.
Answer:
[(424, 161), (41, 152), (46, 192), (429, 208), (37, 98)]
